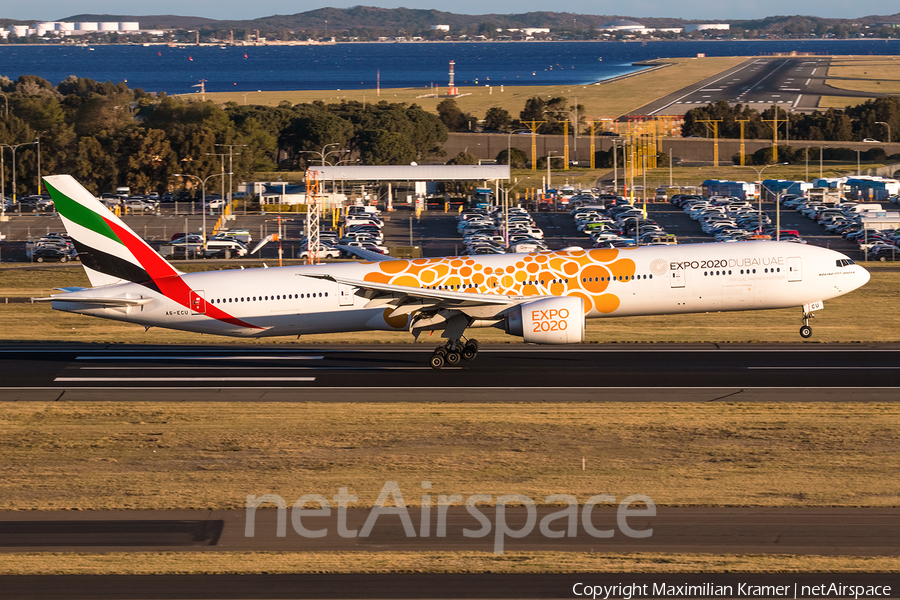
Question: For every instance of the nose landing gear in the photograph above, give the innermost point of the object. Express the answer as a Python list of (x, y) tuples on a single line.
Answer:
[(452, 352), (806, 330)]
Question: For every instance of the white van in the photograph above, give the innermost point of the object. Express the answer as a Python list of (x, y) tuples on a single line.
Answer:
[(241, 235), (225, 249)]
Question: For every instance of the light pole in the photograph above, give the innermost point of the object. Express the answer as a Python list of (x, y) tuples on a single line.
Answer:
[(202, 181), (37, 141), (324, 154), (231, 156), (549, 158), (222, 156), (506, 192), (777, 205), (509, 145), (888, 129), (13, 148)]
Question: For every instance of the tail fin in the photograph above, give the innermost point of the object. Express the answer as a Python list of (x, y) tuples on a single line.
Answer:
[(109, 250)]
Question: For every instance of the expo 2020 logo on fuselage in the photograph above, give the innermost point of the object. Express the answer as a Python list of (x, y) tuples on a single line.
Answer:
[(659, 267)]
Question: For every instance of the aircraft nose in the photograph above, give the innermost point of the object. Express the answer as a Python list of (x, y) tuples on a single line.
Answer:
[(864, 276)]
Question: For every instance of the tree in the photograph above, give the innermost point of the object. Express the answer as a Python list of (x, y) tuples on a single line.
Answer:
[(306, 136), (497, 119), (519, 158), (380, 147), (534, 110), (463, 158), (454, 118)]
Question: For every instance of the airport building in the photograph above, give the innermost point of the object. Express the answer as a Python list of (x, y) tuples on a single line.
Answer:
[(706, 27)]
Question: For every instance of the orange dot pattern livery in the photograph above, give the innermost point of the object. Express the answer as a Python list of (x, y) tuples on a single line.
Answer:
[(587, 274)]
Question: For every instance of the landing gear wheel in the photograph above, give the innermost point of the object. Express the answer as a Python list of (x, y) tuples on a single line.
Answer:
[(806, 331), (470, 350), (441, 350), (453, 357), (437, 360)]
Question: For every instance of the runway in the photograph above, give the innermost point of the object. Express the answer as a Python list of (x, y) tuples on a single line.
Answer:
[(715, 530), (795, 83), (501, 373)]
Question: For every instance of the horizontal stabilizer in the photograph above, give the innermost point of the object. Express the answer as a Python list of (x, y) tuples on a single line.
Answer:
[(92, 299), (365, 254)]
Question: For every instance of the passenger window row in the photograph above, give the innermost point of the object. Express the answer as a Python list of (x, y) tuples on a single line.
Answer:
[(620, 278), (269, 298)]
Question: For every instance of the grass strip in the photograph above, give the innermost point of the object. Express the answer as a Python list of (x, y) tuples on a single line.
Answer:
[(209, 563), (186, 455), (605, 100)]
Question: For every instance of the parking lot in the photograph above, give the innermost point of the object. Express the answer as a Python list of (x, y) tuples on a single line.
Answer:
[(435, 231)]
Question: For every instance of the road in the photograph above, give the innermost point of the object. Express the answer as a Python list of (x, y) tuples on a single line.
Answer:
[(581, 373), (794, 83)]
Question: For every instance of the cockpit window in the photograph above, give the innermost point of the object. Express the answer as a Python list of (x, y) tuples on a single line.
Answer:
[(844, 262)]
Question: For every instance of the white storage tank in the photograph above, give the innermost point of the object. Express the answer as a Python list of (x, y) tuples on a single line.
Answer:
[(109, 26), (19, 30), (130, 26), (62, 26), (86, 26)]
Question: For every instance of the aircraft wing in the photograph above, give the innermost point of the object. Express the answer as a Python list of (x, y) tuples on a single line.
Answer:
[(386, 294), (451, 311)]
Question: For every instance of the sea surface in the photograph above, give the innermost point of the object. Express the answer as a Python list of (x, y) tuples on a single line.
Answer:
[(177, 70)]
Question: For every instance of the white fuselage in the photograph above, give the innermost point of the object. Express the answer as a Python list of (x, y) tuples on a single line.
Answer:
[(650, 280)]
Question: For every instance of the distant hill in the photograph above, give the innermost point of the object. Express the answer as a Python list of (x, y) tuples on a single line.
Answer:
[(408, 20), (149, 21), (367, 17)]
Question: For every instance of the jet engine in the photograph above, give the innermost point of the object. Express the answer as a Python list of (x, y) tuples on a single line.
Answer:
[(548, 321)]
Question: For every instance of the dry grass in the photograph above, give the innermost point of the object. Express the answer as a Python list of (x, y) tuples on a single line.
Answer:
[(606, 100), (171, 455), (865, 74), (846, 319), (195, 563), (826, 102)]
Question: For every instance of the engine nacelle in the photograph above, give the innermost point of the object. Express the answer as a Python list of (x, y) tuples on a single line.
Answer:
[(548, 321)]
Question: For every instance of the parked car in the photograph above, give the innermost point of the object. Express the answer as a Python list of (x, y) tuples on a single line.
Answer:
[(53, 253), (324, 252)]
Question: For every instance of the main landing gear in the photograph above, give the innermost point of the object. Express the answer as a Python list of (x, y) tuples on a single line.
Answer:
[(452, 352), (806, 330)]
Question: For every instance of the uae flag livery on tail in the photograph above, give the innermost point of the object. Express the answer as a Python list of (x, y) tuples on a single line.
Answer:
[(109, 250)]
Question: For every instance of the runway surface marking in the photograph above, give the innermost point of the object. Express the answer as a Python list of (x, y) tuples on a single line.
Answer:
[(235, 368), (477, 388), (429, 350), (124, 379), (824, 368), (166, 357), (694, 91)]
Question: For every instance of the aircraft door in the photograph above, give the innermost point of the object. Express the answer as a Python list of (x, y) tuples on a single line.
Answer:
[(676, 278), (198, 302), (794, 271), (346, 295)]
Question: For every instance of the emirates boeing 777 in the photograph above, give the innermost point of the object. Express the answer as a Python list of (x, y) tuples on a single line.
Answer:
[(543, 297)]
